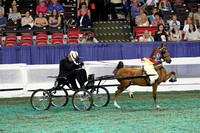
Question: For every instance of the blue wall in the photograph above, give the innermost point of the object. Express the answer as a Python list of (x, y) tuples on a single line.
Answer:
[(51, 54)]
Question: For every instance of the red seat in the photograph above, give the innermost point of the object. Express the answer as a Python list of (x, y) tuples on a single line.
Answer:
[(27, 37), (140, 30), (42, 37), (10, 43), (25, 43), (72, 41), (85, 33), (11, 38), (57, 41), (41, 42), (57, 36), (73, 35), (75, 31)]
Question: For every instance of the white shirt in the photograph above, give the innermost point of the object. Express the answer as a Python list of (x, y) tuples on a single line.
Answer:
[(186, 27), (116, 1), (149, 2), (192, 36)]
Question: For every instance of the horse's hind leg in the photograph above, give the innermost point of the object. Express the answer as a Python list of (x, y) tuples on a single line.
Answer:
[(130, 93)]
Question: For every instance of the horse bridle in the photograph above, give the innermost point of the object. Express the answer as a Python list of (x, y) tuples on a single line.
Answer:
[(163, 52)]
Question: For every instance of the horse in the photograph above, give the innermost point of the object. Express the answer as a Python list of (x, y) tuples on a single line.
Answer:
[(121, 71)]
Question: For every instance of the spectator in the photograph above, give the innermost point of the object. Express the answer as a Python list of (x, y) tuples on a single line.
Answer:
[(139, 17), (134, 13), (83, 7), (165, 5), (89, 38), (192, 34), (14, 3), (41, 7), (144, 21), (41, 21), (191, 14), (174, 20), (27, 21), (2, 10), (83, 19), (56, 6), (113, 4), (81, 1), (152, 17), (55, 19), (152, 2), (140, 3), (146, 37), (68, 3), (197, 15), (157, 20), (14, 16), (175, 34), (186, 27), (71, 22), (160, 34), (3, 21)]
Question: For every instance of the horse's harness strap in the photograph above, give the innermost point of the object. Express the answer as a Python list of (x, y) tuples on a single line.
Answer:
[(146, 78), (159, 68)]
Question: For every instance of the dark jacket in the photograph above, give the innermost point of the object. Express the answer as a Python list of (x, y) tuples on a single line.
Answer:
[(66, 67), (85, 21), (157, 37)]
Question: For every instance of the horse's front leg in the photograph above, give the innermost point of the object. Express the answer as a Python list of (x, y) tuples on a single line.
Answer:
[(169, 75), (155, 85)]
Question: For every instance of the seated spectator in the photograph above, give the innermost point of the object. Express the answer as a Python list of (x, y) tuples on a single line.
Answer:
[(41, 7), (186, 27), (165, 5), (174, 20), (146, 37), (14, 3), (68, 3), (83, 19), (152, 2), (160, 34), (55, 19), (3, 21), (56, 6), (83, 7), (197, 15), (152, 17), (192, 34), (157, 20), (2, 10), (14, 16), (175, 34), (71, 22), (139, 17), (89, 38), (41, 21), (27, 21), (191, 14), (81, 1), (143, 22)]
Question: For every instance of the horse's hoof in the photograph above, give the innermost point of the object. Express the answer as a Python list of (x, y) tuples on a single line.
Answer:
[(172, 80), (158, 107), (131, 95), (117, 106)]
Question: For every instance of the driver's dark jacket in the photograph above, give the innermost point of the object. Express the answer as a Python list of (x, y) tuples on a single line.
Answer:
[(66, 67)]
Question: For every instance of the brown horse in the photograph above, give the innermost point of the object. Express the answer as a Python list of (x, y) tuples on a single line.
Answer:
[(122, 71)]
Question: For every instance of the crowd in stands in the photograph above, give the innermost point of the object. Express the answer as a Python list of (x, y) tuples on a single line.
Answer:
[(176, 20)]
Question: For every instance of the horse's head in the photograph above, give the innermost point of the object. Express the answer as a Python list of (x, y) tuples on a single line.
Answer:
[(161, 53)]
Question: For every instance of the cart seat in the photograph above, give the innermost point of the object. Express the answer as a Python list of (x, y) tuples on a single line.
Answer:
[(62, 79)]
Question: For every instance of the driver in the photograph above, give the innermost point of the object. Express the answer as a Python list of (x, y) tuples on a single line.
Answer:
[(70, 69)]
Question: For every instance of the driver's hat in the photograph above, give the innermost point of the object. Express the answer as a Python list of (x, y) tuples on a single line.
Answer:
[(73, 55)]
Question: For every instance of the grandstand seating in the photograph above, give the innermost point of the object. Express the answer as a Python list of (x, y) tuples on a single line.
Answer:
[(10, 43), (57, 36), (27, 37), (11, 38), (57, 41), (72, 41), (25, 43), (140, 30), (42, 37), (41, 42), (73, 35)]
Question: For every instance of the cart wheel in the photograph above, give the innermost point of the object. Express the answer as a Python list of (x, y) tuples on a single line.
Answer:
[(59, 97), (82, 100), (41, 100), (100, 95)]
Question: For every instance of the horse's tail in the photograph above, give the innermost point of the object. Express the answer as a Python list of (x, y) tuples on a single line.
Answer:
[(119, 66)]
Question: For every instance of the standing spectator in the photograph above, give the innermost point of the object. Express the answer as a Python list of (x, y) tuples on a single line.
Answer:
[(192, 34), (84, 7), (14, 16), (55, 19), (27, 21), (56, 6), (83, 19), (81, 1), (41, 7), (113, 4), (41, 21), (68, 3), (143, 22), (175, 34), (157, 20), (186, 27), (174, 20), (152, 2), (165, 5), (197, 15), (152, 17), (139, 18), (191, 14), (146, 37), (160, 34), (3, 21)]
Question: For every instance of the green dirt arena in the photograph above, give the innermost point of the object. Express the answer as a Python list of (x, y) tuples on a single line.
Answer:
[(180, 113)]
